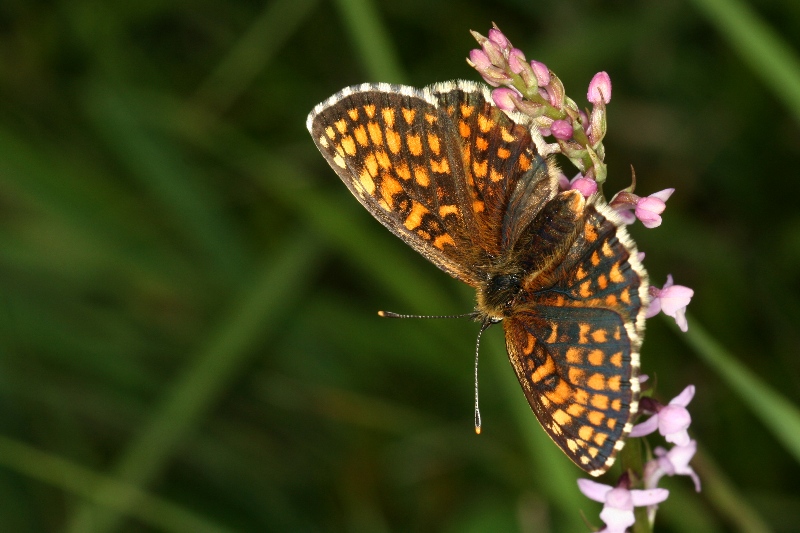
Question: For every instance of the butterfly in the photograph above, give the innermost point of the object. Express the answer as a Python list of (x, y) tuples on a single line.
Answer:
[(462, 183)]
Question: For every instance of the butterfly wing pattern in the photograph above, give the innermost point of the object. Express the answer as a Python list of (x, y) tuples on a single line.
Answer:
[(461, 182)]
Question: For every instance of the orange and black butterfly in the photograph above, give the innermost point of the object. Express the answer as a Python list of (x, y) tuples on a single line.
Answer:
[(462, 183)]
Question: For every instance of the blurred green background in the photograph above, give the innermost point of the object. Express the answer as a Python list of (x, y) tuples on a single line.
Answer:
[(188, 292)]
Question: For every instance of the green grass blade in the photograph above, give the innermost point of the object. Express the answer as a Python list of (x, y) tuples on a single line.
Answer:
[(102, 490), (769, 56), (372, 40), (254, 49), (777, 413), (253, 317)]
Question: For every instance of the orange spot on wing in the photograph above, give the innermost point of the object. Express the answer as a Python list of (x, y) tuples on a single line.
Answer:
[(524, 162), (371, 164), (561, 418), (370, 110), (576, 409), (383, 159), (477, 206), (583, 331), (433, 142), (353, 114), (574, 356), (600, 401), (414, 218), (596, 357), (443, 239), (375, 133), (394, 141), (481, 143), (467, 110), (414, 143), (590, 232), (507, 137), (616, 359), (445, 210), (503, 153), (401, 170), (341, 125), (361, 135), (421, 176), (442, 167), (495, 176), (485, 123), (614, 383), (543, 371), (349, 145), (596, 382), (595, 417), (479, 168), (390, 187), (408, 114), (388, 116), (586, 432), (616, 404), (464, 129), (576, 376), (615, 274), (366, 181)]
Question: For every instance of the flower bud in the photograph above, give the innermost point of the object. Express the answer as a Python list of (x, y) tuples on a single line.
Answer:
[(599, 89)]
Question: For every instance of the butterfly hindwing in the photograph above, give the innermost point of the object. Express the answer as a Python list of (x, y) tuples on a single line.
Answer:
[(575, 345)]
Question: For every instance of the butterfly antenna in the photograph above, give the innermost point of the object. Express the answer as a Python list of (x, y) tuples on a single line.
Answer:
[(484, 327), (389, 314)]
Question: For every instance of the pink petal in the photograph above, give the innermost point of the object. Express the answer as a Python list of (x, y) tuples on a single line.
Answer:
[(594, 490), (542, 72), (561, 129), (662, 195), (673, 419), (479, 59), (617, 519), (675, 298), (645, 428), (654, 308), (684, 397), (498, 38), (599, 89), (648, 497), (586, 186), (653, 205), (516, 60), (504, 98)]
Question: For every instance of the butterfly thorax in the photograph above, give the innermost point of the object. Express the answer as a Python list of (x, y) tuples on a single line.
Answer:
[(496, 298)]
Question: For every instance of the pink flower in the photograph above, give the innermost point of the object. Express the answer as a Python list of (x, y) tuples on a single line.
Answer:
[(504, 98), (498, 38), (671, 463), (672, 300), (599, 89), (542, 72), (587, 186), (647, 209), (671, 420), (478, 59), (561, 129), (618, 503), (516, 60)]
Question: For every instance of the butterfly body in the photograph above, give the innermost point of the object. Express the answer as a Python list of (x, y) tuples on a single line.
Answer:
[(463, 184)]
